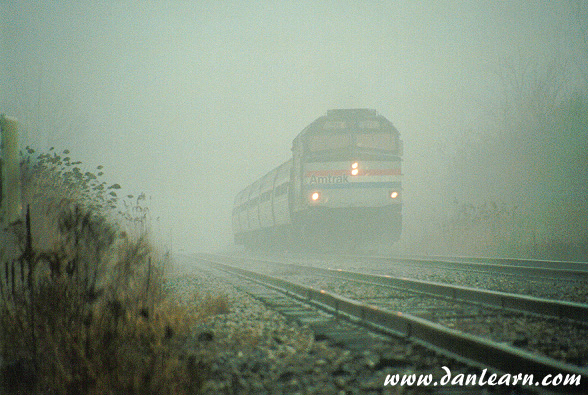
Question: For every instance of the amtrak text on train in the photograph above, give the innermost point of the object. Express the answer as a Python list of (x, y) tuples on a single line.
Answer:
[(329, 179)]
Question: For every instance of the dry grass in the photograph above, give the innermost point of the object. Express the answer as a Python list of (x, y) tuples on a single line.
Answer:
[(82, 305), (109, 349)]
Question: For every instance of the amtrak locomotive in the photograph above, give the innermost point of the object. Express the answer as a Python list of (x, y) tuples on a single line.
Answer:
[(341, 188)]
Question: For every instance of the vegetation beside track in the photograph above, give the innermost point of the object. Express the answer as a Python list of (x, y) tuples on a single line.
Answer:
[(82, 306), (516, 188)]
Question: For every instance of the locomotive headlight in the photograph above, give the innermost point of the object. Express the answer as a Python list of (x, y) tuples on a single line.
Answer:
[(315, 196), (394, 194), (354, 168)]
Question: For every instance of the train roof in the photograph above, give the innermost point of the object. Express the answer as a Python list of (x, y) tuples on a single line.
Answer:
[(284, 167), (351, 115)]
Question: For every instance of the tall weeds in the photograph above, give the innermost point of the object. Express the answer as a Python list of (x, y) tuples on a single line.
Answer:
[(82, 309)]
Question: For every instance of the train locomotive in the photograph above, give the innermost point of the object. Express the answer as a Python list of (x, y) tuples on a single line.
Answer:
[(340, 189)]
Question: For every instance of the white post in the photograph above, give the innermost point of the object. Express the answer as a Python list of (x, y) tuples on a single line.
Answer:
[(11, 200)]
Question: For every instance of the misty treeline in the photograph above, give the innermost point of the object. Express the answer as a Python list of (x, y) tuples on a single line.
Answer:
[(82, 307), (518, 185)]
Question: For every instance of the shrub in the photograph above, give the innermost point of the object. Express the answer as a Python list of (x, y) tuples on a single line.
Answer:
[(83, 309)]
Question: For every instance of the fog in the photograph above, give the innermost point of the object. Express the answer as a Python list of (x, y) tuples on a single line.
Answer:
[(190, 101)]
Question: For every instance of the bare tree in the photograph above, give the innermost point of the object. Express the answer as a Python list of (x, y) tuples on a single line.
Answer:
[(531, 91), (580, 10), (47, 111)]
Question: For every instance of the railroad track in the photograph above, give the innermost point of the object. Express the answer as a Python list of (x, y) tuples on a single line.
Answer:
[(581, 267), (480, 351), (501, 300), (541, 280), (538, 325), (510, 266)]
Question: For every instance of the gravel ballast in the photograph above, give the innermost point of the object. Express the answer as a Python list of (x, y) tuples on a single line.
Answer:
[(252, 349)]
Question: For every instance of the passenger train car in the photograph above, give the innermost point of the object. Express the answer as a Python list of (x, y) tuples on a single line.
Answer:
[(342, 187)]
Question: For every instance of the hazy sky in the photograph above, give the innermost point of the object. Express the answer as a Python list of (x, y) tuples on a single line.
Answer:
[(189, 101)]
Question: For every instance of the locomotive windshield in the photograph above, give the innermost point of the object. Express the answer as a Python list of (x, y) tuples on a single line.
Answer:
[(351, 133), (359, 140), (382, 141)]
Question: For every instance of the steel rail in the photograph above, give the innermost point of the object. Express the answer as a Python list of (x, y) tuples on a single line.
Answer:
[(476, 350), (495, 299), (502, 300), (522, 267), (567, 265)]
